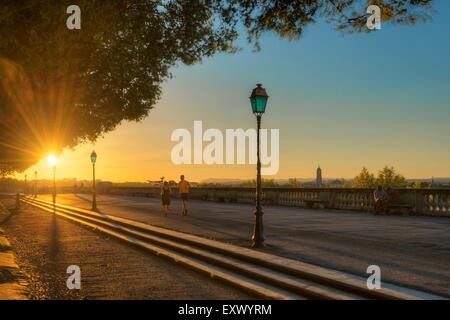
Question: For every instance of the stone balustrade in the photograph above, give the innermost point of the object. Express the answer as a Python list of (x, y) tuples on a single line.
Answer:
[(435, 202)]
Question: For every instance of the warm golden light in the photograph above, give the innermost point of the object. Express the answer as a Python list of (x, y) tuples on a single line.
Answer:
[(52, 160)]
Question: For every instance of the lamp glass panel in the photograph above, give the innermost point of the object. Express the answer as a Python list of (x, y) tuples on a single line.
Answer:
[(259, 104), (253, 102)]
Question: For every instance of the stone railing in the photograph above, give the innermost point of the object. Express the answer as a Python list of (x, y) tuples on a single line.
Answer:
[(435, 202)]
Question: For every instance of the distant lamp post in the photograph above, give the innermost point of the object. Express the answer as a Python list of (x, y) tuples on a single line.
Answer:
[(53, 161), (94, 194), (26, 185), (258, 100), (35, 183)]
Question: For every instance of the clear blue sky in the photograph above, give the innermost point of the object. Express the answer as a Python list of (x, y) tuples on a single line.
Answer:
[(341, 101)]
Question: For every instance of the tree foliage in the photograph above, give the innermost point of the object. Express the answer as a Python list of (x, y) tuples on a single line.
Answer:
[(387, 177), (266, 183), (365, 179), (418, 185), (60, 87)]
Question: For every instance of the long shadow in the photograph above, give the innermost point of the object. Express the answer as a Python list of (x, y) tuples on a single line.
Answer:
[(82, 197), (53, 247), (11, 207), (90, 200), (6, 219)]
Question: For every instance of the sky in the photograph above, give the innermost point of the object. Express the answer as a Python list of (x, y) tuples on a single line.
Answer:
[(339, 101)]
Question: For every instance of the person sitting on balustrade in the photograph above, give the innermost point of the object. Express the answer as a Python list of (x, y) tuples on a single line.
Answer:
[(381, 200)]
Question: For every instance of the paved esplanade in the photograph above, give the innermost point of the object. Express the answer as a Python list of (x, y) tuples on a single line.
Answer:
[(411, 251), (45, 246)]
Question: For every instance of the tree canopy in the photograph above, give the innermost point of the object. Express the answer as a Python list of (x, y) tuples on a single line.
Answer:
[(61, 87), (387, 177), (365, 179)]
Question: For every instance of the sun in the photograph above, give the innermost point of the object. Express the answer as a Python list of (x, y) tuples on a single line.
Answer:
[(52, 160)]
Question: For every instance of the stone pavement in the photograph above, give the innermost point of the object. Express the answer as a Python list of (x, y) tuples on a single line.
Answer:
[(411, 251), (13, 285), (46, 246)]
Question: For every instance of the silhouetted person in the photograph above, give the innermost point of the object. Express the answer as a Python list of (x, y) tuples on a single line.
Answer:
[(183, 187), (381, 200), (166, 193)]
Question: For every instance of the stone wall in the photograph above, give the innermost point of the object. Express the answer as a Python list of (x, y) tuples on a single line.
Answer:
[(435, 202)]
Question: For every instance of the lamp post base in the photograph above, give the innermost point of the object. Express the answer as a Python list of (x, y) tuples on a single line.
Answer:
[(258, 237), (259, 244)]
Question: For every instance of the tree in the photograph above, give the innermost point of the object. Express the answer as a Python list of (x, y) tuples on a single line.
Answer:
[(267, 183), (365, 179), (389, 178), (345, 183), (294, 183), (60, 87), (417, 185), (4, 170), (248, 184)]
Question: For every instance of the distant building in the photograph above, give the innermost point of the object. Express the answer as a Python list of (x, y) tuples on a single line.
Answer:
[(433, 184), (336, 183), (319, 177), (104, 186)]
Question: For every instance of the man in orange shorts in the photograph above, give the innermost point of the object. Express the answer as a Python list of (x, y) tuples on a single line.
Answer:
[(183, 187)]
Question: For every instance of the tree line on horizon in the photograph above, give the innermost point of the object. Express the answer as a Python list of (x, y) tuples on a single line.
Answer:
[(387, 177)]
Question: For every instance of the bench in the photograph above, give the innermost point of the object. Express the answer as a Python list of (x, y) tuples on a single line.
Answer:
[(311, 203), (404, 208)]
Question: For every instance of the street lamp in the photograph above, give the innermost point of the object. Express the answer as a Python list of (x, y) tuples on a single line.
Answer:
[(53, 161), (258, 100), (26, 185), (35, 183), (94, 195)]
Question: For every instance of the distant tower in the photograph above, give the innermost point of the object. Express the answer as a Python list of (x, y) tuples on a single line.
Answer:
[(432, 184), (319, 177)]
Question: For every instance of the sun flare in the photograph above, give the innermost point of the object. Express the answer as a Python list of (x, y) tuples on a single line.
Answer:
[(52, 160)]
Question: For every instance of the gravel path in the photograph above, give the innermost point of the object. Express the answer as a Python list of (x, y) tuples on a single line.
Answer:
[(46, 246)]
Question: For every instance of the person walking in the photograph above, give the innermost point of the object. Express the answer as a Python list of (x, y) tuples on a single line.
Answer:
[(183, 188), (166, 194)]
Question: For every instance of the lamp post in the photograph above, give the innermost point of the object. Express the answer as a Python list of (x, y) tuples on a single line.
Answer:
[(94, 194), (258, 100), (35, 183), (54, 184), (53, 161), (26, 185)]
